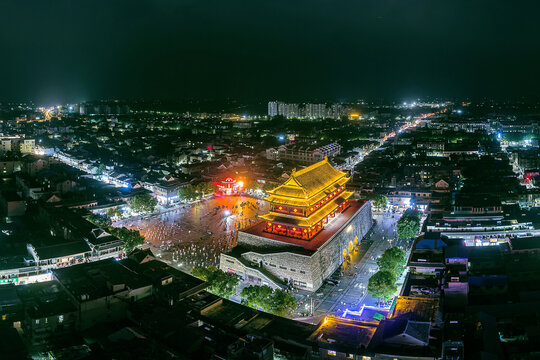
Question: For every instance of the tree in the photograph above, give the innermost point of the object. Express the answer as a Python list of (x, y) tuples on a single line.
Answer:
[(392, 260), (378, 200), (221, 284), (282, 303), (186, 193), (132, 238), (407, 228), (204, 188), (100, 220), (195, 192), (277, 302), (257, 297), (382, 285), (409, 224), (143, 203), (115, 211)]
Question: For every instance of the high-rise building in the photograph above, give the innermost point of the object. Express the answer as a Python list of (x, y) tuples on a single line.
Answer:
[(272, 108), (288, 110), (315, 111)]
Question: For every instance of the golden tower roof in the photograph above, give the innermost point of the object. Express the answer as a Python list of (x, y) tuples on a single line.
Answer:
[(309, 182)]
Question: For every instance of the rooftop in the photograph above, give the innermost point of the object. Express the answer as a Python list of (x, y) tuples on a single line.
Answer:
[(525, 243), (62, 249), (97, 279), (344, 333), (45, 299), (309, 181), (418, 309)]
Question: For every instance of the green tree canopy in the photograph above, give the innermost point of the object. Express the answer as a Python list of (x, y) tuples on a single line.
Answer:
[(378, 200), (99, 220), (221, 284), (143, 203), (393, 260), (132, 238), (282, 303), (115, 211), (382, 285), (409, 224), (195, 192), (257, 297), (277, 302)]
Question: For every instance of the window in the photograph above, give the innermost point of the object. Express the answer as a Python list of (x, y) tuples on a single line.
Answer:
[(60, 319), (332, 352), (350, 356)]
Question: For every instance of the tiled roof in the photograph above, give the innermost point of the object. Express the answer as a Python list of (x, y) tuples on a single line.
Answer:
[(310, 181)]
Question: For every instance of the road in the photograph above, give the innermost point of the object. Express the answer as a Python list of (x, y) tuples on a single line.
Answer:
[(351, 292)]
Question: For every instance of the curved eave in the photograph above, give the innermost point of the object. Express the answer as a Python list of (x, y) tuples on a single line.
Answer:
[(313, 218), (306, 202)]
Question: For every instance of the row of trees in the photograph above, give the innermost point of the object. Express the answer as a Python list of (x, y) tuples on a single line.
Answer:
[(409, 224), (195, 192), (277, 302), (391, 265)]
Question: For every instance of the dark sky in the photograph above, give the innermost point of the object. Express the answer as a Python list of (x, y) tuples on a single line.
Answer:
[(60, 51)]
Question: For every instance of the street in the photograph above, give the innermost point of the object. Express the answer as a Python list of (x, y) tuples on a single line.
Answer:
[(351, 291)]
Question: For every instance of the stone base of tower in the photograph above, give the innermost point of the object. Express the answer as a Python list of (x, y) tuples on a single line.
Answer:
[(278, 261)]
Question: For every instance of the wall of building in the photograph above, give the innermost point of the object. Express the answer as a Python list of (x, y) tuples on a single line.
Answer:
[(306, 272), (330, 256)]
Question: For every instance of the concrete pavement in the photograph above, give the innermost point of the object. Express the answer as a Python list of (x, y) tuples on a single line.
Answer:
[(351, 292)]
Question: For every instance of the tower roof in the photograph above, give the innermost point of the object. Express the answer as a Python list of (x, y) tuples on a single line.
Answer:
[(309, 182)]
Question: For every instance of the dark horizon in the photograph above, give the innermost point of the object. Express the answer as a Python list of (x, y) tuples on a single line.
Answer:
[(73, 51)]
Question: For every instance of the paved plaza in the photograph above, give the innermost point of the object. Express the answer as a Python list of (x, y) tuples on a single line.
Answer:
[(196, 234)]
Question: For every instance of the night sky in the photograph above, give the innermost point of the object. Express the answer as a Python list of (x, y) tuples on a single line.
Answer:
[(66, 51)]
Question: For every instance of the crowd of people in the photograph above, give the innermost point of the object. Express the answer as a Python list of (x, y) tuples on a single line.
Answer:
[(196, 234)]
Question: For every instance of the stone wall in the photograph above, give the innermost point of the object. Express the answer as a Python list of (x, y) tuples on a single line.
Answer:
[(285, 265), (330, 256), (251, 240), (305, 272)]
